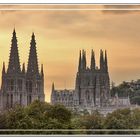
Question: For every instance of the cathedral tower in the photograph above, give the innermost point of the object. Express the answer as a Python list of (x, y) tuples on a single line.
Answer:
[(92, 65), (92, 84), (14, 64), (19, 86), (34, 78), (13, 81)]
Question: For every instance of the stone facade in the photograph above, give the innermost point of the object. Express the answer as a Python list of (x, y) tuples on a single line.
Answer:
[(64, 97), (92, 87), (120, 101), (21, 86)]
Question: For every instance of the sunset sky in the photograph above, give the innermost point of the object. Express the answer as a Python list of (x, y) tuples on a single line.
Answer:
[(61, 31)]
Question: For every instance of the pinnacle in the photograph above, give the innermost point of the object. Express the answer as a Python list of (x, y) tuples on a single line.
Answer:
[(14, 64), (33, 35), (14, 32), (33, 60)]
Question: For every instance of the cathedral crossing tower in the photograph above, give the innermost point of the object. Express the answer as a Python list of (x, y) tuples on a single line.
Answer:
[(34, 78), (92, 86)]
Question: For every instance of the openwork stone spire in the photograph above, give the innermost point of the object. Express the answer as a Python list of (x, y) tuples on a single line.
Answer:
[(79, 66), (101, 60), (32, 61), (3, 69), (92, 65), (53, 88), (42, 72), (106, 63), (83, 59), (14, 64)]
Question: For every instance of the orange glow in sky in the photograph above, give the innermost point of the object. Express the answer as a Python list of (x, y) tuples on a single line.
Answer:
[(60, 34)]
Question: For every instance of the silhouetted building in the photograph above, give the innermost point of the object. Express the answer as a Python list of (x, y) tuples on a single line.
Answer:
[(92, 88), (21, 86), (64, 97)]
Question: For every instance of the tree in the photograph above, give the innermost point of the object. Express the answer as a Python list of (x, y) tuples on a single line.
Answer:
[(120, 119), (38, 115), (135, 100), (2, 121), (93, 121), (135, 113), (88, 121), (60, 113), (14, 116)]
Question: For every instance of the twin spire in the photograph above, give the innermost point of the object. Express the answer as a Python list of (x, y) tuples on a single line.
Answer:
[(14, 63), (92, 65), (82, 60), (32, 67), (103, 61)]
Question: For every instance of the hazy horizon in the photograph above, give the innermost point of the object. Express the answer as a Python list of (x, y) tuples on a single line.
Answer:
[(60, 35)]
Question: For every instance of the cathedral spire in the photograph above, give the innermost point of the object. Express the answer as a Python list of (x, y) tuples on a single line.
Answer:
[(32, 61), (42, 73), (3, 69), (106, 63), (101, 60), (14, 64), (92, 65), (79, 67), (53, 88), (83, 59), (23, 68)]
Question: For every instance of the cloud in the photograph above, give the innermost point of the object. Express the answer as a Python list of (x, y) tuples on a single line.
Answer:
[(117, 9), (61, 34)]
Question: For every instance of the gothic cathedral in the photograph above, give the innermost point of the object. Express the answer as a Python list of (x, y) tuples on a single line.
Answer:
[(21, 86), (92, 86)]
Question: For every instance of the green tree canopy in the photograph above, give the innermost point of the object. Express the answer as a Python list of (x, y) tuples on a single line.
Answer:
[(119, 119)]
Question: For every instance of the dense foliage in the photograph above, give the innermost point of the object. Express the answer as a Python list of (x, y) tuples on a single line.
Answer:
[(39, 117), (125, 89)]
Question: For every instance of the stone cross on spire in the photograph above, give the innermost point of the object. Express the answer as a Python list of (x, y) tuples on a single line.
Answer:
[(32, 61), (14, 64)]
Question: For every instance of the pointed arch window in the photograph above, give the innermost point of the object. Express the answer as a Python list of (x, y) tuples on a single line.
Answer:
[(29, 86), (7, 100), (11, 100), (39, 98), (38, 86), (10, 84), (87, 82), (20, 99), (30, 99), (20, 84), (87, 95)]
